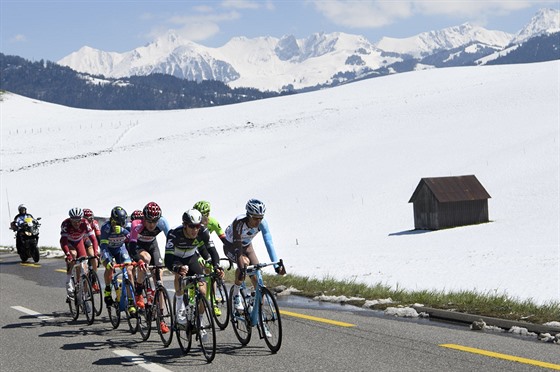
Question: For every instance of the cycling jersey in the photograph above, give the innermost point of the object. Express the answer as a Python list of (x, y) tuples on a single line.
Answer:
[(214, 227), (143, 239), (113, 243), (179, 246), (241, 235), (69, 235)]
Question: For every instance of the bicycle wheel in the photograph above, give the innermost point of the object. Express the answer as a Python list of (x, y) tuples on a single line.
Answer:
[(219, 297), (86, 304), (132, 318), (97, 292), (269, 320), (240, 320), (205, 330), (113, 310), (145, 315), (163, 314), (72, 303), (184, 331)]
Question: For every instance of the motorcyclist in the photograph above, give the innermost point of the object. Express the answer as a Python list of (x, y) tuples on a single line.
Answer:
[(18, 222)]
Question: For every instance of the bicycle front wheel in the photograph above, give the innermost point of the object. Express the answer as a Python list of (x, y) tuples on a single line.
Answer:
[(269, 320), (132, 316), (184, 331), (206, 332), (240, 319), (219, 299), (163, 314), (73, 304), (113, 310), (145, 315), (87, 300), (97, 292)]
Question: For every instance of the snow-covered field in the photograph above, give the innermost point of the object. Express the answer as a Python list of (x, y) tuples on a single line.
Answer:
[(336, 169)]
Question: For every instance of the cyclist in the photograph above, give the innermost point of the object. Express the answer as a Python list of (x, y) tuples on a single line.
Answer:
[(239, 248), (182, 255), (210, 222), (72, 233), (88, 215), (18, 221), (136, 215), (213, 226), (143, 245), (113, 238)]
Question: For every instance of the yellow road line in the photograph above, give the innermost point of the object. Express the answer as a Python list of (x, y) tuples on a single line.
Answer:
[(316, 319), (503, 356), (61, 270), (30, 264)]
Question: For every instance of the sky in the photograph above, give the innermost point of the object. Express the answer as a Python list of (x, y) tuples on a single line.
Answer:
[(52, 29), (335, 168)]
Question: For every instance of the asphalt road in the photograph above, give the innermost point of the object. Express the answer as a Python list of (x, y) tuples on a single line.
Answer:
[(37, 333)]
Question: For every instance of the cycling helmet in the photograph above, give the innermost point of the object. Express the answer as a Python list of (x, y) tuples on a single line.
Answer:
[(76, 213), (152, 211), (22, 208), (255, 207), (118, 216), (203, 207), (136, 215), (192, 217), (88, 213)]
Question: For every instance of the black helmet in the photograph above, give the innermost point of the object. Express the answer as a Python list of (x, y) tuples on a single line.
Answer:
[(118, 216)]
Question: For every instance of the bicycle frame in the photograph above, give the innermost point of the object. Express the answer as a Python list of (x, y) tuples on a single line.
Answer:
[(123, 273), (257, 300)]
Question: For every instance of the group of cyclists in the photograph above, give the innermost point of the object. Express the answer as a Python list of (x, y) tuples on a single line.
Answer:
[(189, 248)]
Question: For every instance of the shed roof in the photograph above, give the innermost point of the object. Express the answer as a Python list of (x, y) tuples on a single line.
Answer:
[(451, 189)]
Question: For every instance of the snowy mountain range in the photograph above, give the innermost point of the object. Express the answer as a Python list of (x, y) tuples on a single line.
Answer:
[(269, 63)]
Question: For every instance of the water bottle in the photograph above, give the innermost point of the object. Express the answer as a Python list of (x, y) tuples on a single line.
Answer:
[(250, 301), (118, 290), (189, 313), (191, 295)]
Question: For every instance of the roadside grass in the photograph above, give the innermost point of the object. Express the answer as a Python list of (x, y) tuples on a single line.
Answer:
[(471, 302), (477, 303)]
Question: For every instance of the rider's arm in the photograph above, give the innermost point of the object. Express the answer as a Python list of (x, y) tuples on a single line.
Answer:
[(169, 257), (163, 225), (267, 237)]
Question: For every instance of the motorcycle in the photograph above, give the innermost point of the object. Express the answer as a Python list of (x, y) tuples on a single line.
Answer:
[(28, 235)]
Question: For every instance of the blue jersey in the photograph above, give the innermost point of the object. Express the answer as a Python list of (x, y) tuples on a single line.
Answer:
[(113, 237)]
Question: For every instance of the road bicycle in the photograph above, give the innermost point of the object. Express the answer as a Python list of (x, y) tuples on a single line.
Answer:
[(82, 301), (157, 307), (96, 289), (199, 318), (217, 296), (122, 298), (260, 310)]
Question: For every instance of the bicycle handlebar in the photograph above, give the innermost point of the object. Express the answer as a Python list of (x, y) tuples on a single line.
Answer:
[(259, 266)]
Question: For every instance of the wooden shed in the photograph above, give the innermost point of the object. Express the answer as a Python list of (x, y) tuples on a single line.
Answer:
[(442, 202)]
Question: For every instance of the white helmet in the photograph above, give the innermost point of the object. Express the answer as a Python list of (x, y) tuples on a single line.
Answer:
[(255, 207), (192, 217), (22, 208), (76, 213)]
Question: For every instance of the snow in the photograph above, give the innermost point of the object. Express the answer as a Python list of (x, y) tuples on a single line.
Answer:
[(335, 167)]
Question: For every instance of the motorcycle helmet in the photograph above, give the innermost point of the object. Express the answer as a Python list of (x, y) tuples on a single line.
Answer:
[(152, 212), (118, 216), (255, 207), (76, 213), (203, 207), (192, 217), (136, 215), (88, 213), (22, 208)]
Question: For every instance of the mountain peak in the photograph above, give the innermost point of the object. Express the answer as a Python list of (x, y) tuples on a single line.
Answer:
[(544, 21)]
